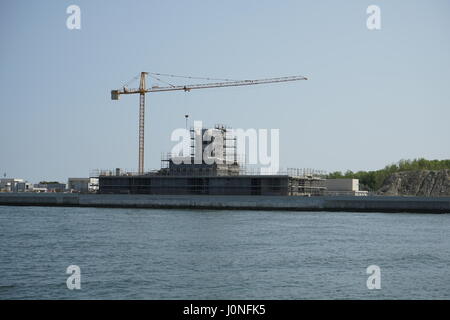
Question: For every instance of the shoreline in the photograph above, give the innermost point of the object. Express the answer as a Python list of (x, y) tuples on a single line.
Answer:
[(205, 202)]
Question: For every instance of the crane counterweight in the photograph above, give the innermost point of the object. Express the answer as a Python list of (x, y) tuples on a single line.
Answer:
[(115, 94)]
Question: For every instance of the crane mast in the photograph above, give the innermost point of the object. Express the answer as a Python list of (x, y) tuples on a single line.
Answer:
[(142, 90)]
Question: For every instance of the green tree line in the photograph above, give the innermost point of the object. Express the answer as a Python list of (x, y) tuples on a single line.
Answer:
[(373, 180)]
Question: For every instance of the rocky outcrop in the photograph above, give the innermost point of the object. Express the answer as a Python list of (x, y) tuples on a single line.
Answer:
[(432, 183)]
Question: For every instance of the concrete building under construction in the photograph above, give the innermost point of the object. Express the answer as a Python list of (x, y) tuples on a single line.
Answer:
[(218, 174)]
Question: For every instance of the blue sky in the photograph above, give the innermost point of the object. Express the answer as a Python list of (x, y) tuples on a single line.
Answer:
[(372, 98)]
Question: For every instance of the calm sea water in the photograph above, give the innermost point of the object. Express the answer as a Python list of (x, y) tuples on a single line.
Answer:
[(187, 254)]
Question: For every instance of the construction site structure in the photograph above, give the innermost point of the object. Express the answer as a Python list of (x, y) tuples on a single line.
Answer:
[(182, 175)]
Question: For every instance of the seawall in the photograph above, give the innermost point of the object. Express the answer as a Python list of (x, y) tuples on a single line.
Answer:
[(292, 203)]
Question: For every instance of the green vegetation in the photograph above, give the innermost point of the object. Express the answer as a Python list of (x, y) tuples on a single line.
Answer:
[(372, 180)]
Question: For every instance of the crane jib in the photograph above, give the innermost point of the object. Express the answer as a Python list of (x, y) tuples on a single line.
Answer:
[(115, 93)]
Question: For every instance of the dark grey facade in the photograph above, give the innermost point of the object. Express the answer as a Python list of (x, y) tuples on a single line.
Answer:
[(178, 185), (273, 185)]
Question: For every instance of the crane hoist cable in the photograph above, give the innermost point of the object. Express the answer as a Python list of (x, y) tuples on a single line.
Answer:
[(191, 77), (126, 84), (158, 79)]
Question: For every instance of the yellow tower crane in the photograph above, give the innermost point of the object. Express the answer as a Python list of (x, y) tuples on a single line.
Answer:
[(142, 90)]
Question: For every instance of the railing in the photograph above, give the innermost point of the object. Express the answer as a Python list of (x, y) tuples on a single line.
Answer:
[(211, 172), (95, 173)]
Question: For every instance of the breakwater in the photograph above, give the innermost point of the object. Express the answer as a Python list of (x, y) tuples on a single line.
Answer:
[(293, 203)]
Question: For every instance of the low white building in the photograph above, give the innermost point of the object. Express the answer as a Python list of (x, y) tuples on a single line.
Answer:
[(15, 185), (82, 185), (343, 187), (24, 187), (53, 186)]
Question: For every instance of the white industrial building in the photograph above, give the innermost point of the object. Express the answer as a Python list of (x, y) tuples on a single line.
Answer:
[(15, 185), (50, 187), (82, 185), (343, 187)]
